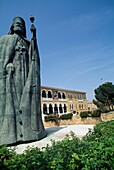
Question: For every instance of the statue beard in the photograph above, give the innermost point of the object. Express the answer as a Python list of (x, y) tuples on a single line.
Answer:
[(18, 30)]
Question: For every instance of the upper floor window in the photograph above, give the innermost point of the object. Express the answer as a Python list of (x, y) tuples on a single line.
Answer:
[(63, 96), (43, 93), (75, 96), (70, 96), (59, 95), (49, 94), (80, 97)]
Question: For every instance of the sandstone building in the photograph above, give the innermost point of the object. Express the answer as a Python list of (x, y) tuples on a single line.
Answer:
[(59, 101), (91, 106)]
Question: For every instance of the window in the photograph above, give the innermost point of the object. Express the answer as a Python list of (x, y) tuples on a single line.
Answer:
[(44, 108), (71, 106), (55, 109), (65, 108), (59, 95), (70, 96), (50, 109), (63, 96), (44, 93), (49, 94), (60, 108), (79, 97)]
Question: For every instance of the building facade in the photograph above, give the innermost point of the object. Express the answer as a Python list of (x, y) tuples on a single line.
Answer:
[(91, 106), (60, 101)]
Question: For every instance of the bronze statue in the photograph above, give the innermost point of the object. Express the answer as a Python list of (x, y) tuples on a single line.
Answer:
[(20, 110)]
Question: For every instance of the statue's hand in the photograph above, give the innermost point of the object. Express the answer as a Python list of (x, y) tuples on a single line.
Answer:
[(33, 30), (10, 68)]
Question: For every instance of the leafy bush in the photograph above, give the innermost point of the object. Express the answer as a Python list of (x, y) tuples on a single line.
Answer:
[(95, 151), (6, 155), (96, 113), (84, 114), (104, 110), (51, 118), (66, 116)]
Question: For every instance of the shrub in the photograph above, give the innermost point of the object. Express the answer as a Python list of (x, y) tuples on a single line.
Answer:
[(104, 110), (52, 118), (95, 151), (84, 114), (96, 113), (66, 116), (6, 155)]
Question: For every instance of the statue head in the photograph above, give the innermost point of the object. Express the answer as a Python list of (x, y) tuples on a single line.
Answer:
[(18, 27)]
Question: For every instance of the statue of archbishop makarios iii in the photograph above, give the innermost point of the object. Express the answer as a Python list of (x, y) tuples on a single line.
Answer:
[(20, 107)]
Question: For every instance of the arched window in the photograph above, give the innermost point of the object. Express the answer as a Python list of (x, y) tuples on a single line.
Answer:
[(70, 96), (55, 109), (59, 95), (44, 108), (65, 108), (75, 96), (50, 109), (80, 97), (49, 94), (60, 108), (43, 93), (63, 96)]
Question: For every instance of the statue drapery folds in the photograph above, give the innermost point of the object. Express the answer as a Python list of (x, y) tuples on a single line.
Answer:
[(20, 110)]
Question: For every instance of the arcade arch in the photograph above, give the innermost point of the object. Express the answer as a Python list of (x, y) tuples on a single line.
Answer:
[(50, 109), (44, 108), (60, 108)]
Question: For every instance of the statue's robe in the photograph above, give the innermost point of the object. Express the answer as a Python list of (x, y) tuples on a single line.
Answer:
[(20, 110)]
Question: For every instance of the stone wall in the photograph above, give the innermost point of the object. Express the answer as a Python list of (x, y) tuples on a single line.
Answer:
[(78, 120), (107, 116)]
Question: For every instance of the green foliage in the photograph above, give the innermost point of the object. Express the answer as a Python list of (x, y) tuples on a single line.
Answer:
[(66, 116), (6, 155), (51, 117), (104, 110), (96, 113), (104, 95), (84, 114), (95, 151), (60, 153)]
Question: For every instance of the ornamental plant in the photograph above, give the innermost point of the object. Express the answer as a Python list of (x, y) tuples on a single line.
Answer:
[(95, 151)]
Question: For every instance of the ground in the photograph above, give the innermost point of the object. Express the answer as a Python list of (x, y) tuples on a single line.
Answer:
[(56, 133)]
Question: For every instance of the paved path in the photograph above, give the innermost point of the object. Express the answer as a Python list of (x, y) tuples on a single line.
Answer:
[(57, 133)]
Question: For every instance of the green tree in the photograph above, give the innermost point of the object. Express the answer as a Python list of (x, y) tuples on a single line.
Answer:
[(104, 95)]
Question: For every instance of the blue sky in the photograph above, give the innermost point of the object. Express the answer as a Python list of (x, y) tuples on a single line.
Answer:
[(75, 39)]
